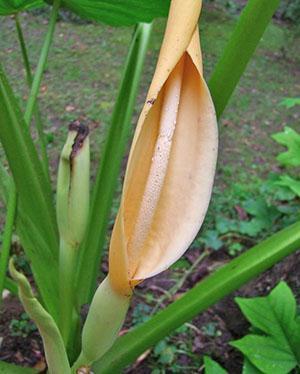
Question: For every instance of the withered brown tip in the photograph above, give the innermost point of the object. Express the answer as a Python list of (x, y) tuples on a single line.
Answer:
[(82, 132)]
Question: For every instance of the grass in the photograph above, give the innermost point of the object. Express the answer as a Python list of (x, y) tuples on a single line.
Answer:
[(82, 79)]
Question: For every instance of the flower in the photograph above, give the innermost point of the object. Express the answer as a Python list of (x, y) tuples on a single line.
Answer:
[(172, 161)]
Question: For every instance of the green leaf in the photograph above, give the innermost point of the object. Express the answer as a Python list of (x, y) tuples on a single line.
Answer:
[(263, 216), (119, 12), (275, 316), (290, 102), (211, 239), (291, 139), (241, 46), (213, 288), (111, 158), (55, 352), (291, 183), (264, 353), (6, 368), (249, 368), (36, 222), (16, 6), (212, 367)]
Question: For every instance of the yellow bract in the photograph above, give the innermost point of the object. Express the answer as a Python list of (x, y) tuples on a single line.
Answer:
[(172, 161)]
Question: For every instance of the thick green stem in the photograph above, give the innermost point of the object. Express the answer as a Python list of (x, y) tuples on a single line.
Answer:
[(67, 270), (37, 113), (7, 236), (41, 64), (205, 294)]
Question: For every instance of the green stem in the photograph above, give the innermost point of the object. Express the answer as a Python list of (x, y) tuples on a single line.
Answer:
[(205, 294), (7, 235), (241, 46), (37, 113), (114, 149), (67, 269), (41, 64)]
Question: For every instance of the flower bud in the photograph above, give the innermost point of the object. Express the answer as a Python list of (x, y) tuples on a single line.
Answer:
[(72, 197)]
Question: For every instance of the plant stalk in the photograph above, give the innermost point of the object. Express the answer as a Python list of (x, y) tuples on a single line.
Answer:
[(7, 235), (248, 31), (37, 113), (67, 270), (41, 64)]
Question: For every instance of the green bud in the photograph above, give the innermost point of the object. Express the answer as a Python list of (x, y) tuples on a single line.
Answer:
[(72, 204)]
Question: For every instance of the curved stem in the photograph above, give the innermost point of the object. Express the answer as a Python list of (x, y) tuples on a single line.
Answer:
[(37, 113), (41, 64), (7, 236)]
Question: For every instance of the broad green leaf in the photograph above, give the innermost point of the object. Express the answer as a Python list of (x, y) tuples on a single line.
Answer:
[(212, 367), (119, 12), (275, 316), (206, 293), (6, 368), (249, 368), (55, 352), (8, 7), (291, 183), (291, 139), (290, 102), (265, 354), (36, 222)]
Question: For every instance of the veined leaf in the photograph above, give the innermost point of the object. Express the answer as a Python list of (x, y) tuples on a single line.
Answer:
[(16, 6), (36, 222), (119, 12), (275, 316), (291, 139)]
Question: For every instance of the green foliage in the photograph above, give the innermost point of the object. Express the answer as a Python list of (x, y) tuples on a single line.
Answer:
[(211, 329), (291, 139), (212, 367), (16, 6), (37, 226), (276, 341), (119, 12), (22, 327), (290, 102), (291, 183), (290, 10)]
